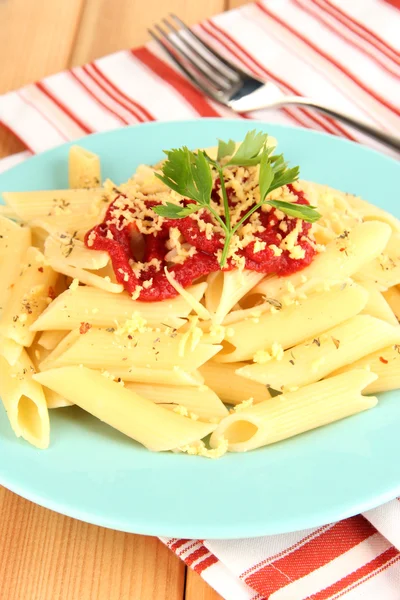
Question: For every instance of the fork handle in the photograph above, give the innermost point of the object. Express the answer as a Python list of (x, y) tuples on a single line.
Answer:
[(392, 141)]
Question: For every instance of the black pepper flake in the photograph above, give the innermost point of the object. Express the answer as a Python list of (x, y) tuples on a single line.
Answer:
[(110, 329), (275, 303), (317, 342)]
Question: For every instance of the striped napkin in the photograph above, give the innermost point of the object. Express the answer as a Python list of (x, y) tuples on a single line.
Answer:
[(343, 52)]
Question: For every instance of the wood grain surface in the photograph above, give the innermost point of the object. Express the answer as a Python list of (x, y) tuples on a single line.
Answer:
[(44, 555)]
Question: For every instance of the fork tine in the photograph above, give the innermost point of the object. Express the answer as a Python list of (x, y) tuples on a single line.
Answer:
[(192, 55), (208, 90), (227, 68)]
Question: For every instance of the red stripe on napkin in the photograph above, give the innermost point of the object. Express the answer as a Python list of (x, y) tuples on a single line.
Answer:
[(329, 58), (177, 81)]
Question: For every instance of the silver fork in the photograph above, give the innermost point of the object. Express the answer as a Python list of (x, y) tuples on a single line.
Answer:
[(226, 83)]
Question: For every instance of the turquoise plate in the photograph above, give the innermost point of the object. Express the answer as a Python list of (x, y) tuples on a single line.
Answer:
[(95, 474)]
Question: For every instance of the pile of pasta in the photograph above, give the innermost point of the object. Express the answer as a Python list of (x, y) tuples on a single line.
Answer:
[(244, 358)]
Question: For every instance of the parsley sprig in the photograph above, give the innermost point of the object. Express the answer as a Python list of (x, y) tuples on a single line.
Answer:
[(190, 174)]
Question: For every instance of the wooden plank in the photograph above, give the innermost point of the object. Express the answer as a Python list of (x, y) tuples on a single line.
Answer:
[(236, 3), (35, 41), (198, 589), (110, 26), (36, 38), (46, 556)]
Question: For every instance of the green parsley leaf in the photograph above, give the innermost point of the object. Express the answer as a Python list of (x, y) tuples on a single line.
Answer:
[(300, 211), (175, 211), (188, 173), (225, 149), (248, 153)]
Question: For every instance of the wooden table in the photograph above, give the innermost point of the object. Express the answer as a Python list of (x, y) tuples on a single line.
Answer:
[(44, 555)]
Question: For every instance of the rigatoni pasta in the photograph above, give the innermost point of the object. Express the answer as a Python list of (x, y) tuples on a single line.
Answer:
[(212, 294)]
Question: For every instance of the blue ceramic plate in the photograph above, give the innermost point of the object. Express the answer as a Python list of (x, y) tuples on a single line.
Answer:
[(95, 474)]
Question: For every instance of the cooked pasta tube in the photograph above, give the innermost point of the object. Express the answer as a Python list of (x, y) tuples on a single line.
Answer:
[(343, 257), (74, 252), (175, 376), (226, 288), (137, 417), (83, 168), (392, 297), (201, 401), (37, 354), (230, 387), (377, 305), (384, 271), (293, 324), (102, 349), (10, 349), (370, 212), (50, 339), (54, 203), (312, 360), (30, 295), (103, 283), (24, 401), (288, 415), (385, 364), (104, 309), (14, 243)]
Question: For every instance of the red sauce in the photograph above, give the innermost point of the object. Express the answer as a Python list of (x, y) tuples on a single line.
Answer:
[(121, 248)]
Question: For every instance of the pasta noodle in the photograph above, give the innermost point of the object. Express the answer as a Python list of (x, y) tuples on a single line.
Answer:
[(231, 387), (312, 360), (84, 168), (24, 401), (293, 413), (200, 402), (342, 257), (33, 287), (137, 417), (385, 364), (377, 305), (102, 349), (209, 295), (293, 324), (103, 309), (14, 243)]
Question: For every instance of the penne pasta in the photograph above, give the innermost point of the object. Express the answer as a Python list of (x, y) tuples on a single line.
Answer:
[(293, 324), (86, 277), (10, 349), (32, 290), (385, 363), (104, 309), (296, 412), (24, 401), (342, 257), (312, 360), (102, 349), (201, 401), (137, 417), (83, 168), (54, 203), (226, 288), (392, 297), (377, 305), (231, 387), (384, 271), (14, 243), (158, 305), (50, 339), (66, 248), (37, 354)]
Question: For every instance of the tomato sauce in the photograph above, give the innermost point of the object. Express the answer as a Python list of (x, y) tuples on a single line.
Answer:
[(151, 280)]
